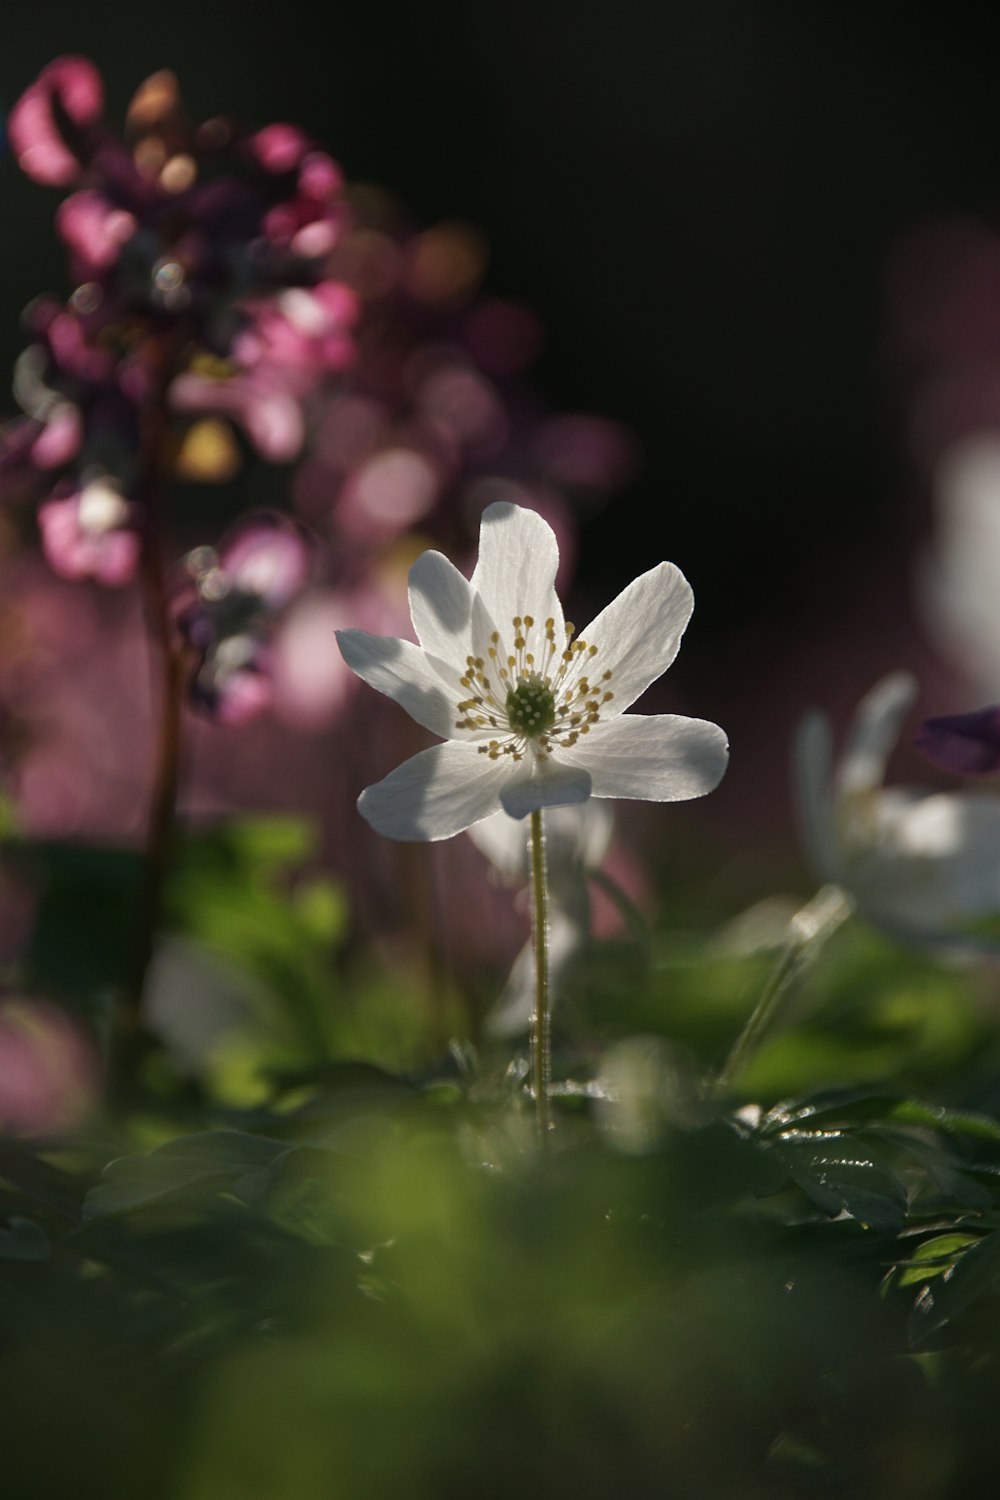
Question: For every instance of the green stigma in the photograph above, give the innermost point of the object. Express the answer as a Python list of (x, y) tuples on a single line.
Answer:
[(531, 707)]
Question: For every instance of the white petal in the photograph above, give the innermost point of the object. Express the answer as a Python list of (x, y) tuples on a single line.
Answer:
[(512, 1013), (655, 758), (546, 783), (874, 733), (408, 675), (577, 837), (638, 635), (435, 794), (936, 859), (957, 584), (813, 766), (504, 842), (441, 607), (516, 569)]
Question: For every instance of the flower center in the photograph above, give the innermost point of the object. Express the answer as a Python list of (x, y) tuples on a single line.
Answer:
[(538, 694), (101, 507), (531, 706)]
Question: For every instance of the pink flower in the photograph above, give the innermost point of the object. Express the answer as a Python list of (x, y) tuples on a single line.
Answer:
[(90, 534), (73, 86), (303, 331), (228, 611), (292, 340), (309, 223), (95, 230)]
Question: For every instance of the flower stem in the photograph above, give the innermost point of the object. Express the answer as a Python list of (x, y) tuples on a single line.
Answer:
[(809, 929), (169, 669), (541, 1020)]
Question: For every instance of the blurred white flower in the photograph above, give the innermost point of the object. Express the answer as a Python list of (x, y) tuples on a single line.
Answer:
[(957, 582), (576, 842), (916, 864), (532, 717)]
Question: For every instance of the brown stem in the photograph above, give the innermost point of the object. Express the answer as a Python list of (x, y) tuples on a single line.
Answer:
[(169, 670)]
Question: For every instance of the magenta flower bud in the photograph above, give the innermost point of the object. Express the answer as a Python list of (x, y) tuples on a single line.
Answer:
[(279, 147), (965, 744), (95, 231), (73, 86)]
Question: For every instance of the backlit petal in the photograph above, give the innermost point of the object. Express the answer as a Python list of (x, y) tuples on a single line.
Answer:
[(441, 607), (406, 674), (874, 733), (657, 758), (516, 570), (435, 794), (547, 783), (936, 859), (639, 634)]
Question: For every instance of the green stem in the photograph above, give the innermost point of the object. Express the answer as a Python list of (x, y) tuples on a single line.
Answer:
[(541, 1020), (808, 931)]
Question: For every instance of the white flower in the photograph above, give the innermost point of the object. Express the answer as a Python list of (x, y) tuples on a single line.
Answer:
[(915, 863), (532, 716)]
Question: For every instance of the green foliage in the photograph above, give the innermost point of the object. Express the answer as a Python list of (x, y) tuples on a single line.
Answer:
[(327, 1257)]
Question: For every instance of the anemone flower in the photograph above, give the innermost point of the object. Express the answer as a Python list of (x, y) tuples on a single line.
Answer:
[(533, 716), (918, 864)]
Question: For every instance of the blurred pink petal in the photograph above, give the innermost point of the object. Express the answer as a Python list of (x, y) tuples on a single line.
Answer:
[(388, 493), (94, 229), (267, 556), (87, 535), (60, 438), (41, 151), (49, 1073), (246, 694), (279, 147)]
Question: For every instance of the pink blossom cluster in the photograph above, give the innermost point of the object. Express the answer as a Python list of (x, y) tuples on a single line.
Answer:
[(199, 255)]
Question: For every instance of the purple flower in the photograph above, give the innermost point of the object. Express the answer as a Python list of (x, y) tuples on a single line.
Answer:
[(227, 611), (965, 744)]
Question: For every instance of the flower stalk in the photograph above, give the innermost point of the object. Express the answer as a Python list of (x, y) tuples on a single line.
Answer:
[(541, 1018), (808, 930), (169, 668)]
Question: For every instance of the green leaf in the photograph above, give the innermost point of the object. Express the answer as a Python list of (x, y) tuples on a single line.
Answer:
[(962, 1190), (218, 1159), (845, 1107), (23, 1239), (934, 1257), (975, 1274), (838, 1173)]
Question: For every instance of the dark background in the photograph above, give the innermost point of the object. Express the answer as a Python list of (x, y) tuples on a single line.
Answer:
[(700, 199)]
